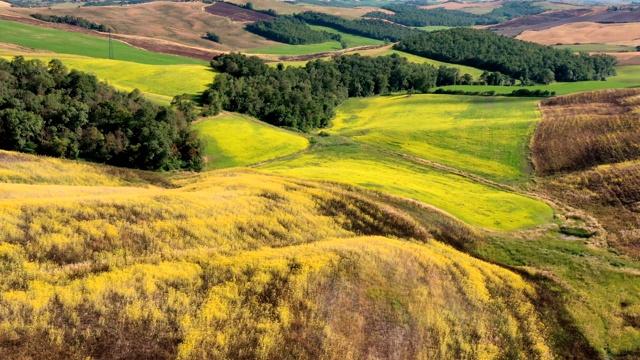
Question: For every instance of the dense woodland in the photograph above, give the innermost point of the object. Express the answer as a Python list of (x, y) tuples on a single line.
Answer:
[(51, 111), (411, 15), (371, 28), (290, 30), (513, 59), (306, 98), (71, 20)]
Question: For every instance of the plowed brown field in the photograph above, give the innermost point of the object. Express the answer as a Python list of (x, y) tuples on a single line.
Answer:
[(585, 33), (236, 13)]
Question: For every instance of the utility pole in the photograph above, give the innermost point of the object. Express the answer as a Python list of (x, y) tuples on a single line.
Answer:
[(111, 56)]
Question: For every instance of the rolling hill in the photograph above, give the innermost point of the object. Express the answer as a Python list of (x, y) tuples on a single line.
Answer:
[(415, 227), (174, 268)]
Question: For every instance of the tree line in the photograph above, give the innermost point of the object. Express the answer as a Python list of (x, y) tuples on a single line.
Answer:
[(412, 15), (510, 59), (47, 109), (371, 28), (306, 97), (290, 30), (71, 20)]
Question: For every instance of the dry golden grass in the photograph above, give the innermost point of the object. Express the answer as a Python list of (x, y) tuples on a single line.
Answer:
[(587, 129), (585, 33), (183, 23), (590, 142), (239, 264)]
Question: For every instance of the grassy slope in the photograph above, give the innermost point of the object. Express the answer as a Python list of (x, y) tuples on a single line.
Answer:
[(263, 262), (233, 140), (285, 49), (420, 60), (386, 50), (602, 289), (628, 76), (467, 200), (486, 136), (183, 23), (156, 81), (596, 48), (79, 44)]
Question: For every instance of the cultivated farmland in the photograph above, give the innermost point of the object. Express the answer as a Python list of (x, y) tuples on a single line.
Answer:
[(236, 13), (586, 33), (80, 44), (482, 135)]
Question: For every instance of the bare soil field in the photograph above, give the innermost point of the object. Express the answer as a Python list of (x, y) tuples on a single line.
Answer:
[(450, 5), (181, 23), (586, 33), (553, 19), (630, 58), (236, 13)]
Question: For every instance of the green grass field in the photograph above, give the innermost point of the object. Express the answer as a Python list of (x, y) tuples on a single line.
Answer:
[(285, 49), (352, 40), (433, 28), (64, 42), (467, 200), (596, 282), (158, 82), (233, 140), (385, 51), (482, 135), (628, 77), (596, 48)]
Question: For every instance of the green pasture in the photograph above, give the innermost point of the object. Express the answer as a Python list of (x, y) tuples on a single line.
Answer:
[(158, 82), (352, 40), (433, 28), (385, 51), (628, 77), (483, 135), (64, 42), (596, 283), (475, 72), (286, 49), (337, 159), (596, 48), (235, 140)]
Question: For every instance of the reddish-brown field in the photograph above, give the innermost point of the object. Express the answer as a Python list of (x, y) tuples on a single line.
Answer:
[(451, 5), (586, 33), (587, 150), (236, 13)]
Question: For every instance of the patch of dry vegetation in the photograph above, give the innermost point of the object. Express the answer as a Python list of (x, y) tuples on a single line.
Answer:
[(588, 146), (587, 129), (225, 265)]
